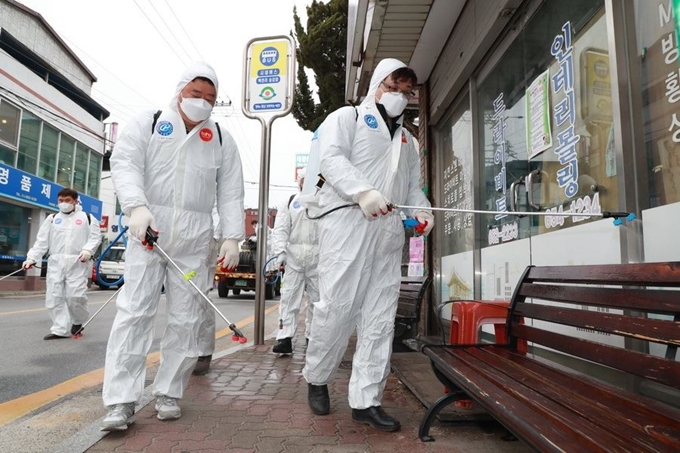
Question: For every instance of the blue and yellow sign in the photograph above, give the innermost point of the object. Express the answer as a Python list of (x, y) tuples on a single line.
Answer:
[(268, 77)]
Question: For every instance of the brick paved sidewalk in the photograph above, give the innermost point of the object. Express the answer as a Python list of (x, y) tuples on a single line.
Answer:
[(254, 401)]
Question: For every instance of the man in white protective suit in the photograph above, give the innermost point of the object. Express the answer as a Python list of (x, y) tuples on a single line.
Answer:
[(367, 158), (206, 338), (168, 167), (295, 241), (71, 237)]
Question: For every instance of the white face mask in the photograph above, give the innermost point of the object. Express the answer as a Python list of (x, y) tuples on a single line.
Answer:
[(196, 109), (394, 103), (66, 208)]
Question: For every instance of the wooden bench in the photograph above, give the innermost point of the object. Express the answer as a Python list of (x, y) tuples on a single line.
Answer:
[(544, 397), (412, 292)]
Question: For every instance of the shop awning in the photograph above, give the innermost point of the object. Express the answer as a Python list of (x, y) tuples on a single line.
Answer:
[(413, 31)]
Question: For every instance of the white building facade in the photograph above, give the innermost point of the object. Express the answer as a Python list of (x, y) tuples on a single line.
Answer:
[(51, 134)]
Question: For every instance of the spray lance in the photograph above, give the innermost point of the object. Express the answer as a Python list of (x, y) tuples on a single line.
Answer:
[(17, 271), (617, 216), (151, 243)]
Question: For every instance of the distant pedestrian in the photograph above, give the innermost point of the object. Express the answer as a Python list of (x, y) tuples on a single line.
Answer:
[(295, 240), (70, 237)]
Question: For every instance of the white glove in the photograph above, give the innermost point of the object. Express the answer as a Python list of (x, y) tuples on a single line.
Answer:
[(141, 219), (281, 259), (28, 264), (427, 220), (373, 203), (229, 254), (84, 256)]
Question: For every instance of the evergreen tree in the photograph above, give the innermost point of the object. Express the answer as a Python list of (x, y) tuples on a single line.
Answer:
[(322, 48)]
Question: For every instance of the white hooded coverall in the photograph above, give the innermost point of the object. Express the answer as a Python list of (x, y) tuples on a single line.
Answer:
[(65, 236), (297, 236), (359, 259), (177, 175), (206, 338)]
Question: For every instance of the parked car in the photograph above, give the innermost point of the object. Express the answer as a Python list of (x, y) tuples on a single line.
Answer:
[(244, 276), (111, 268)]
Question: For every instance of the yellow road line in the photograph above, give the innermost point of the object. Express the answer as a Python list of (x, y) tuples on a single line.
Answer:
[(11, 410)]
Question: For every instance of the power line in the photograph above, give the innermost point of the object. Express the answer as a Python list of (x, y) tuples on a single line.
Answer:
[(170, 30), (58, 118), (185, 32), (68, 89), (160, 34), (110, 72)]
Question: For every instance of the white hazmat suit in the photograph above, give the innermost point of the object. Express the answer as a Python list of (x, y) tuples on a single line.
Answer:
[(296, 236), (65, 236), (359, 259), (177, 175), (206, 339)]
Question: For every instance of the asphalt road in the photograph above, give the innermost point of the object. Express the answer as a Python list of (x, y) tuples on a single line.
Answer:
[(29, 364)]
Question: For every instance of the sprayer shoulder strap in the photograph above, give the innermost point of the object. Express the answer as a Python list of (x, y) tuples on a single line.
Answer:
[(89, 218), (158, 114)]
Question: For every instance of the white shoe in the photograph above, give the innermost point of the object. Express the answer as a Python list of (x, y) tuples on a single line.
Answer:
[(119, 417), (167, 408)]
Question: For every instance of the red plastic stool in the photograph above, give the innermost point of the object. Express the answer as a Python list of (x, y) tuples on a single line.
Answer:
[(467, 317)]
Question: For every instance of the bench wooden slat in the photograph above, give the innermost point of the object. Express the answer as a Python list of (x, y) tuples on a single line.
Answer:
[(546, 399), (658, 419), (656, 369), (509, 403), (654, 301), (412, 292), (414, 280), (656, 330), (549, 409), (598, 405), (644, 274)]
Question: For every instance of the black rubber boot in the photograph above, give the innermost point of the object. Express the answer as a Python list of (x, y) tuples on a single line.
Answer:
[(377, 418), (75, 328), (318, 399), (202, 366), (283, 346)]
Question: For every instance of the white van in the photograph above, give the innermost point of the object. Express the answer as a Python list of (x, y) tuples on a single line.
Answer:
[(112, 266)]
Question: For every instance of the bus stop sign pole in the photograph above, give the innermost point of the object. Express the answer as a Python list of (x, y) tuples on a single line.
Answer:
[(268, 92)]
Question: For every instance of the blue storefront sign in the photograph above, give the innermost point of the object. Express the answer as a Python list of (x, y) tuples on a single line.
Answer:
[(22, 186)]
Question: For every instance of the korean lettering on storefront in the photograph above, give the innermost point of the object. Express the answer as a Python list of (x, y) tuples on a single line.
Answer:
[(31, 189), (499, 156), (457, 196), (565, 112), (669, 50)]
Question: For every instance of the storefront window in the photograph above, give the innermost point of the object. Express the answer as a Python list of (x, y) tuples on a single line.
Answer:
[(65, 168), (456, 230), (28, 143), (80, 173), (546, 115), (13, 235), (94, 175), (48, 153), (9, 123), (658, 56), (7, 155), (457, 188)]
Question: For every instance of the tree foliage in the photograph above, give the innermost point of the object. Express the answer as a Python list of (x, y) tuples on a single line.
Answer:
[(322, 47)]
